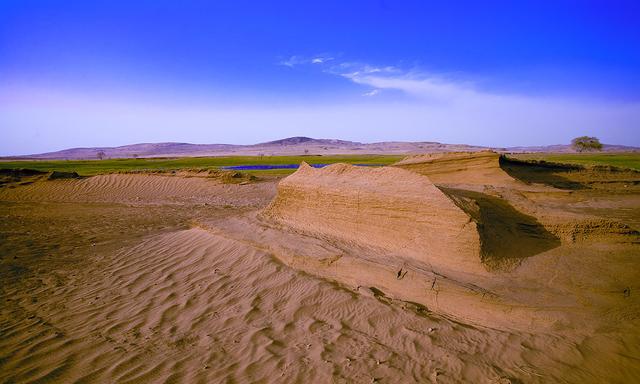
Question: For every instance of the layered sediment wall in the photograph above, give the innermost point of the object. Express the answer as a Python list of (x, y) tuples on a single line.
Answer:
[(479, 168), (388, 208)]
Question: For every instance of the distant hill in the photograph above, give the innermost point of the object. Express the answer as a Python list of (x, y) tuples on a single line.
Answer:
[(308, 140), (133, 150), (298, 145)]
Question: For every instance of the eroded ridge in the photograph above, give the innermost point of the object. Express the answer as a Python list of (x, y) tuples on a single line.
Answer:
[(474, 168), (389, 208)]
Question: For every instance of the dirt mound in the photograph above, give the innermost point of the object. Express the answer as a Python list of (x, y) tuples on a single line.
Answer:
[(408, 216), (388, 208), (478, 168)]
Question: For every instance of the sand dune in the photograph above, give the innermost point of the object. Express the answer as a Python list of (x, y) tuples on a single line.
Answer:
[(343, 274), (189, 306), (131, 189)]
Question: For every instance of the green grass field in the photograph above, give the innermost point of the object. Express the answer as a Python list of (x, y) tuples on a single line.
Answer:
[(95, 167), (622, 160)]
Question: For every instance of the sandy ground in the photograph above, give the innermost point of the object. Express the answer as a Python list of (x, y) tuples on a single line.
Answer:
[(149, 278)]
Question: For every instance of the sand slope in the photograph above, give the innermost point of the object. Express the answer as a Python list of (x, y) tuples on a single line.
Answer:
[(189, 306)]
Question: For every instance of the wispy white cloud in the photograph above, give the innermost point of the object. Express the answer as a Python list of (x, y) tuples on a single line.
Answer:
[(293, 61), (321, 60), (462, 111), (352, 70), (425, 87), (297, 60), (373, 92), (421, 85), (411, 82)]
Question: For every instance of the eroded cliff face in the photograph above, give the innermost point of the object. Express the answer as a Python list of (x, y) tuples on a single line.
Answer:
[(400, 212)]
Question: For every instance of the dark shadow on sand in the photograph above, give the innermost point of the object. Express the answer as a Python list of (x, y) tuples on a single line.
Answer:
[(507, 235), (541, 172)]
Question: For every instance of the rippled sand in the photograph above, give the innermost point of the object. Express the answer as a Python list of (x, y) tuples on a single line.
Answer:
[(142, 278)]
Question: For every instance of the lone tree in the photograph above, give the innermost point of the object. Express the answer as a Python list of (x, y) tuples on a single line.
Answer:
[(100, 155), (586, 143)]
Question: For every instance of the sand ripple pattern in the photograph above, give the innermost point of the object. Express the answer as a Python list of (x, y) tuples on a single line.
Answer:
[(190, 306), (133, 189)]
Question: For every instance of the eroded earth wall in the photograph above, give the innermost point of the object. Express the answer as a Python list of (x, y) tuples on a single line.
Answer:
[(386, 208)]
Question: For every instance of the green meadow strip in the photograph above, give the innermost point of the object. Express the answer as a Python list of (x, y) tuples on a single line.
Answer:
[(96, 167)]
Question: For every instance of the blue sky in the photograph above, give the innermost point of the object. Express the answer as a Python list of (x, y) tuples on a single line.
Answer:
[(498, 73)]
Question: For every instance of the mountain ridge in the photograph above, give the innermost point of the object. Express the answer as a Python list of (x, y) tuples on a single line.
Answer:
[(296, 145)]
